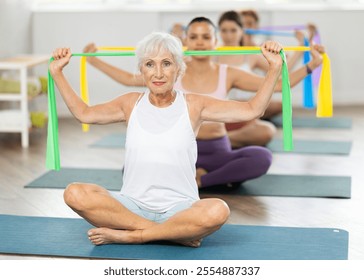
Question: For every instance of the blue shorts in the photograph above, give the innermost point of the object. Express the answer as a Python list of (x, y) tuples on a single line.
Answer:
[(158, 217)]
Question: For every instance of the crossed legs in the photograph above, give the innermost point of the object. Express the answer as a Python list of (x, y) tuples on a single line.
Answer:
[(218, 164), (254, 133), (116, 224)]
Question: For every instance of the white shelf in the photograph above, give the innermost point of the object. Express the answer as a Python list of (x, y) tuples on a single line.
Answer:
[(18, 120), (11, 121), (10, 97), (21, 61)]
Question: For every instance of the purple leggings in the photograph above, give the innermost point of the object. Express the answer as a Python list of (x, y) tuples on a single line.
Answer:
[(225, 165)]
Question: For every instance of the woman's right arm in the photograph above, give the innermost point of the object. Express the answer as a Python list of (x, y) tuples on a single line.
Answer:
[(121, 76), (113, 111)]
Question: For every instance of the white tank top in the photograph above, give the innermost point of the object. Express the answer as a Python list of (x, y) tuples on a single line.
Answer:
[(161, 154)]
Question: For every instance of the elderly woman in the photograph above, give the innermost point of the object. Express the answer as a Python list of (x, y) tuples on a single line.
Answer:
[(159, 199)]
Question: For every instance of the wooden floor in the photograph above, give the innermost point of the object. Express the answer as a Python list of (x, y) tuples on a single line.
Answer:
[(19, 166)]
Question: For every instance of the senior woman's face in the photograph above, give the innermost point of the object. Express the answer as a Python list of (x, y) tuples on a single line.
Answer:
[(160, 72)]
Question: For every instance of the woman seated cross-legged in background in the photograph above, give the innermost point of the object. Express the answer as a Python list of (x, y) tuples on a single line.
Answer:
[(260, 131)]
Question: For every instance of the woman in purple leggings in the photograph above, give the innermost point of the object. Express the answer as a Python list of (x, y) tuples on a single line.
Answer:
[(217, 163)]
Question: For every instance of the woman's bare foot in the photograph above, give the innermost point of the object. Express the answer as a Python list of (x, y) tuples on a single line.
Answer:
[(195, 243), (199, 173), (100, 236)]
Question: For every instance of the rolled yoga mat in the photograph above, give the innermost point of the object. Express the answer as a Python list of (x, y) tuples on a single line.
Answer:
[(66, 237), (313, 147), (267, 185), (313, 122)]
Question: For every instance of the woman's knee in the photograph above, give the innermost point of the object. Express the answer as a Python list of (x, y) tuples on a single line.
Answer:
[(74, 195), (265, 158), (216, 213), (260, 159), (257, 132), (267, 131)]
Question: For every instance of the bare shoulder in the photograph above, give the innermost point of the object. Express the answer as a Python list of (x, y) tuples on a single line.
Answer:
[(195, 100), (199, 100), (194, 97), (235, 71), (128, 100), (130, 97), (235, 75)]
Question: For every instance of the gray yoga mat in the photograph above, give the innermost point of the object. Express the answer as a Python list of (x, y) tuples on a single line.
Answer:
[(267, 185), (65, 237), (313, 147), (290, 185), (112, 141), (111, 179), (312, 122)]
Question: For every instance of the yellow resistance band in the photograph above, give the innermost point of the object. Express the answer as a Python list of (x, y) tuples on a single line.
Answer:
[(324, 96), (84, 88), (230, 48)]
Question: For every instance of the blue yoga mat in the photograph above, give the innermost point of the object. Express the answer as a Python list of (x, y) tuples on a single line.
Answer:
[(267, 185), (312, 122), (111, 179), (114, 141), (312, 147), (289, 185), (67, 237), (111, 141)]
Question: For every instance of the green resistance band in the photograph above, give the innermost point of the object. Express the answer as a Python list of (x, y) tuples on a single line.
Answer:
[(53, 155)]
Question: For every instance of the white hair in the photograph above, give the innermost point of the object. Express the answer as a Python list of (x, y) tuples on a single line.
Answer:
[(157, 42)]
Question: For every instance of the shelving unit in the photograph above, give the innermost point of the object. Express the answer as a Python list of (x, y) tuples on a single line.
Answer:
[(16, 121)]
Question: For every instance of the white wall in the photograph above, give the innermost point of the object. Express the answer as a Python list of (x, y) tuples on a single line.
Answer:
[(76, 29), (340, 32), (342, 36), (15, 27), (15, 33)]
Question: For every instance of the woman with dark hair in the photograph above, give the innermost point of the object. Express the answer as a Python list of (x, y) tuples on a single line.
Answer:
[(256, 132), (217, 161), (250, 20)]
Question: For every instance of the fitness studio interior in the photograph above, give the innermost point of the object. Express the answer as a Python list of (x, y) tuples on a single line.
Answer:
[(95, 162)]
